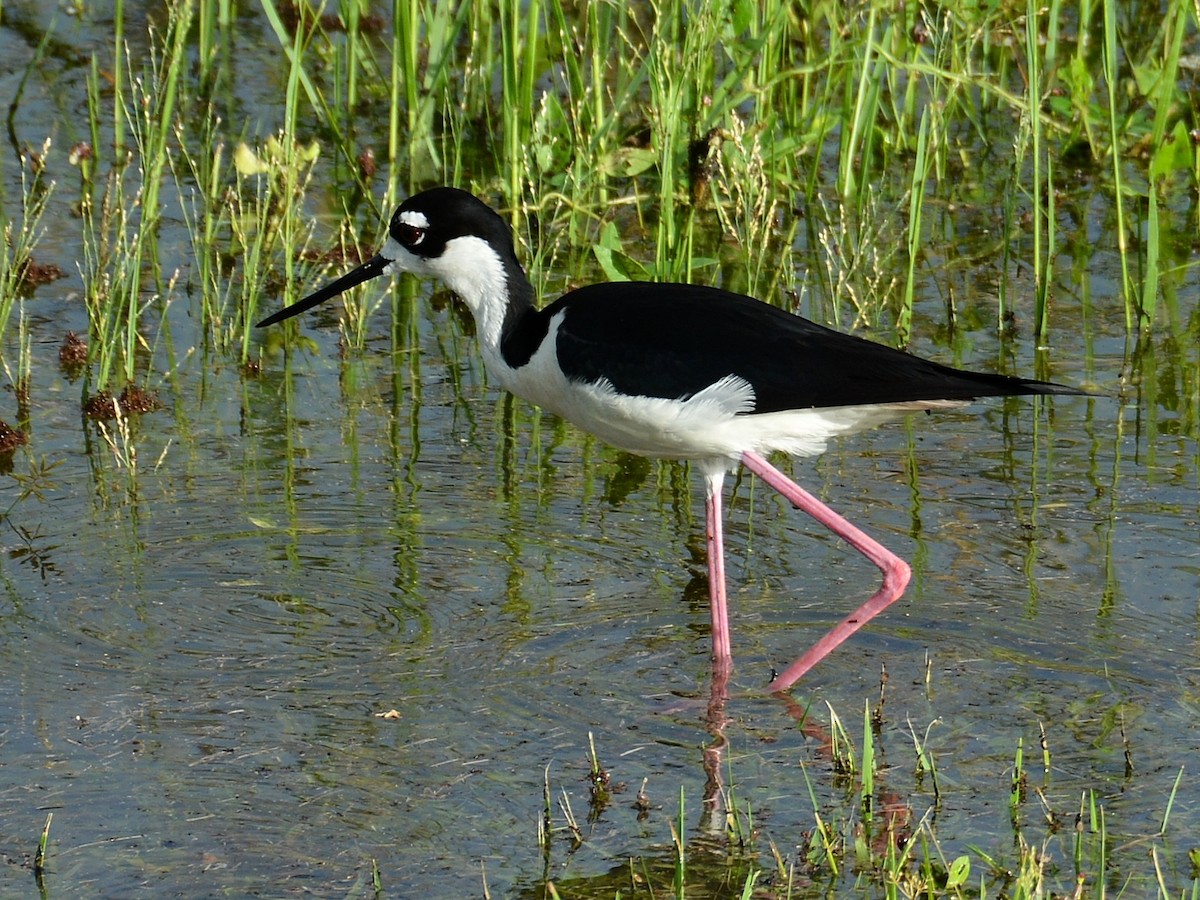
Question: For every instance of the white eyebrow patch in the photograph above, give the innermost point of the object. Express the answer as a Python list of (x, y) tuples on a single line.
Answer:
[(414, 218)]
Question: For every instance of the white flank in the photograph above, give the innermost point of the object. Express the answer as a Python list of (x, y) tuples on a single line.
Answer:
[(711, 426)]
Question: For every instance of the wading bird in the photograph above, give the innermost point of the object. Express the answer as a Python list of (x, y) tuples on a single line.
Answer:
[(676, 371)]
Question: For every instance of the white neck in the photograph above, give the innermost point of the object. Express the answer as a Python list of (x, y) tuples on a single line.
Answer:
[(473, 270)]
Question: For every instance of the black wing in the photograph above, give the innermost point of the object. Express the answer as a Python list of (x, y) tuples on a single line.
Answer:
[(673, 340)]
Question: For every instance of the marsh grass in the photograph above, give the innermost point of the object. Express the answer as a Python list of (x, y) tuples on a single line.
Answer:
[(869, 837), (699, 129), (20, 236), (120, 232), (39, 857), (709, 124), (18, 240)]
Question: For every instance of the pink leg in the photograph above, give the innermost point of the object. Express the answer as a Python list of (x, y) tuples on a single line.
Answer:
[(895, 570), (722, 652)]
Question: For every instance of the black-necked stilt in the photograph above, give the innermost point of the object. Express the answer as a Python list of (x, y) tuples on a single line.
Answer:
[(676, 371)]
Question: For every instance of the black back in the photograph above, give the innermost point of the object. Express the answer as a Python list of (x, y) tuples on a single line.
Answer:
[(673, 340)]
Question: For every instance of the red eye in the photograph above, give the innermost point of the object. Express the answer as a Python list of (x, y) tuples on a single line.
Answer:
[(409, 235)]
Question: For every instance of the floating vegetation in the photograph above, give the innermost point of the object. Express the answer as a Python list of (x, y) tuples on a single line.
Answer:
[(72, 355), (103, 406), (11, 438)]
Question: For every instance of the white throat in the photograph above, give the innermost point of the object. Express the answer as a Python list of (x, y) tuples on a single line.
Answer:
[(472, 269)]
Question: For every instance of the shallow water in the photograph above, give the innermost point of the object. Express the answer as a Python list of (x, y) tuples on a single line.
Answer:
[(195, 652), (192, 671)]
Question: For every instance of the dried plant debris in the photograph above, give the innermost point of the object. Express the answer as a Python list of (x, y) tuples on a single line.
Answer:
[(100, 406), (35, 274), (11, 438), (133, 399), (72, 354)]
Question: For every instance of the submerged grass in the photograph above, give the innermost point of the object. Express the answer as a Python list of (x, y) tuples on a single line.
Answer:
[(39, 856), (870, 838)]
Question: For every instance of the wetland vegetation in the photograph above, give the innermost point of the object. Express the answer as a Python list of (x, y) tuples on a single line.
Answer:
[(229, 556)]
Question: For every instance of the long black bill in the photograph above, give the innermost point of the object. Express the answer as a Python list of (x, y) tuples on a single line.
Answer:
[(368, 270)]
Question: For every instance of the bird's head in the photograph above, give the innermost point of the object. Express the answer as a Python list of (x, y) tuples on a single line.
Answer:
[(442, 233)]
